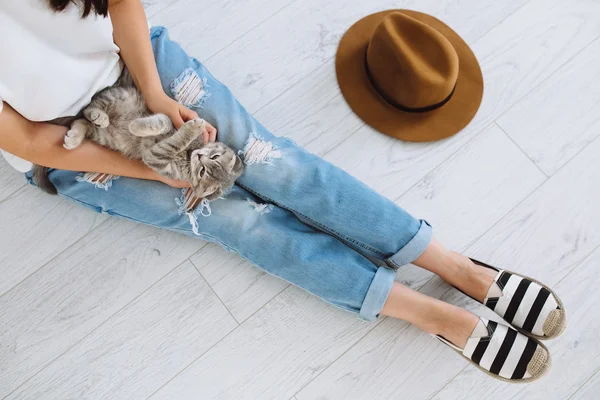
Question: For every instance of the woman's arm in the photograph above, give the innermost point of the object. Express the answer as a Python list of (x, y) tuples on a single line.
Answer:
[(130, 33), (42, 144)]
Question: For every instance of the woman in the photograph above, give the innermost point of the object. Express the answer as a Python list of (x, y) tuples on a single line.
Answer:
[(291, 213)]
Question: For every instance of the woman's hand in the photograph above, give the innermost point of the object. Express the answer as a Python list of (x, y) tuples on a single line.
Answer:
[(179, 114)]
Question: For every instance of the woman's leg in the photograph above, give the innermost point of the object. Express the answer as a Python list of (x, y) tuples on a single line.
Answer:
[(280, 172), (268, 236), (431, 315), (278, 242), (456, 269), (435, 316)]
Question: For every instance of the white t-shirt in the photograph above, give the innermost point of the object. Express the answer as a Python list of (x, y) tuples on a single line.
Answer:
[(52, 63)]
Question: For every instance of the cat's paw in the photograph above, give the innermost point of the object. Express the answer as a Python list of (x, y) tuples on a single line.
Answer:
[(193, 128), (73, 139), (99, 118), (196, 124)]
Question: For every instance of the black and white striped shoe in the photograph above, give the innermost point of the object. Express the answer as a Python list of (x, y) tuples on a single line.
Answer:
[(526, 304), (504, 353)]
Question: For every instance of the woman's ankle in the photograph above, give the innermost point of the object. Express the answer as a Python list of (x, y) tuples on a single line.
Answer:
[(455, 325), (456, 269), (471, 278), (431, 315)]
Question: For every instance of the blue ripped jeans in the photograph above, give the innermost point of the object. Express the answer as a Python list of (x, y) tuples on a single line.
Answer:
[(291, 213)]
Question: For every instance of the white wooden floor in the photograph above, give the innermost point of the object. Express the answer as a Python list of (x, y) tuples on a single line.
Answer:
[(93, 307)]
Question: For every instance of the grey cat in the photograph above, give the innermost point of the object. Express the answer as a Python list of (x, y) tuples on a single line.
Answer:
[(118, 118)]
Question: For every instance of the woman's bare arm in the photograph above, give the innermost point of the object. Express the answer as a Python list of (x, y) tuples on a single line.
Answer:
[(42, 144), (130, 33)]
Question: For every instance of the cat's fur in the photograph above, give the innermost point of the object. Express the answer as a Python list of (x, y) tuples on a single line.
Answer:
[(118, 118)]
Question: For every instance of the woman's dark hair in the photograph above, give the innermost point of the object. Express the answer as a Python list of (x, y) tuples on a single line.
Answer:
[(98, 7)]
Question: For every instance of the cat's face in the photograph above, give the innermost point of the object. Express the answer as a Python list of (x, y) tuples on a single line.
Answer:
[(215, 167)]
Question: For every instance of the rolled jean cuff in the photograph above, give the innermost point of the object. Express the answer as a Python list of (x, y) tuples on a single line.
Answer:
[(377, 294), (414, 248)]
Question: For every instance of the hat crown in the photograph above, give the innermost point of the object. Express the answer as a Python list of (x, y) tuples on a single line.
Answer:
[(410, 63)]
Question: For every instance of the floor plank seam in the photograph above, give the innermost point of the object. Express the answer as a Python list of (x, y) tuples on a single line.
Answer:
[(500, 22), (213, 291), (292, 86), (261, 307), (577, 264), (344, 140), (452, 154), (207, 350), (583, 384), (534, 88), (205, 243), (468, 245), (11, 194), (250, 30), (150, 16), (521, 150), (447, 383), (466, 248), (108, 318), (56, 256), (374, 325), (577, 155)]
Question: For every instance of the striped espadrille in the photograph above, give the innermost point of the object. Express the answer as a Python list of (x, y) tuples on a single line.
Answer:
[(526, 304), (504, 353)]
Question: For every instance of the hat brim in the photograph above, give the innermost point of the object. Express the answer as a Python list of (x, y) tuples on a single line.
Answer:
[(384, 117)]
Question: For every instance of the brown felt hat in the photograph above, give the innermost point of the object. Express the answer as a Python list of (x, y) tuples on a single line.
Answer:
[(408, 75)]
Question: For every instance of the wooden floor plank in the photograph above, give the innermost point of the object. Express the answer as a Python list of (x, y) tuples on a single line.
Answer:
[(53, 309), (205, 27), (34, 228), (272, 354), (553, 229), (242, 287), (10, 180), (152, 7), (313, 113), (560, 118), (140, 348), (589, 390), (473, 189)]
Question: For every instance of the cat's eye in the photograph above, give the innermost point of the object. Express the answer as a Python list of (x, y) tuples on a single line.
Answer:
[(215, 156)]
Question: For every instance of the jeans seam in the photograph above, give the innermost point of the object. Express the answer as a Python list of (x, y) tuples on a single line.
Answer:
[(319, 225)]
